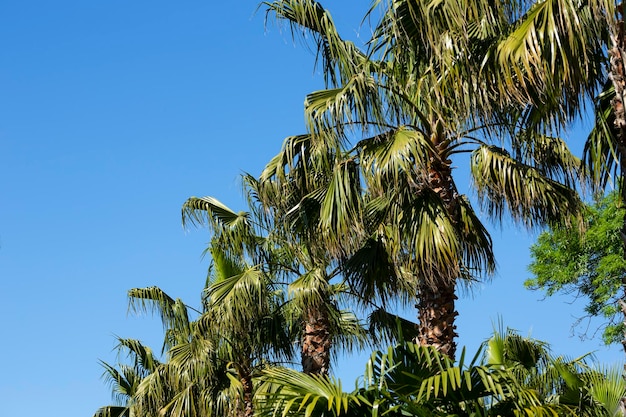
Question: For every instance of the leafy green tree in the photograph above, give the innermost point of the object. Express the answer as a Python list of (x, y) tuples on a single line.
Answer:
[(588, 264), (392, 96)]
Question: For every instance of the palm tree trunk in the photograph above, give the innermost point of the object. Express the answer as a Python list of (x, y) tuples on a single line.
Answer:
[(316, 342), (436, 297), (436, 314), (617, 56), (244, 406), (248, 394)]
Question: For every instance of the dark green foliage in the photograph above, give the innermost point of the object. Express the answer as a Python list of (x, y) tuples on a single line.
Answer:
[(587, 264)]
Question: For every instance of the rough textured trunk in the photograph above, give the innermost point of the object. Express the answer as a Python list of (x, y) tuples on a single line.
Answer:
[(436, 295), (245, 406), (316, 342), (248, 394), (436, 314), (617, 56)]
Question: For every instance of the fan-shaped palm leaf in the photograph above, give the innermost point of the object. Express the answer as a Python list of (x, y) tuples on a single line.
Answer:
[(529, 196)]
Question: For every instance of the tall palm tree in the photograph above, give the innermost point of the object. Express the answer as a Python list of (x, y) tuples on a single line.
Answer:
[(298, 266), (393, 95)]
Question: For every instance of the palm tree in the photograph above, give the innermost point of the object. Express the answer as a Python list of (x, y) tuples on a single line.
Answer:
[(211, 361), (244, 311), (413, 217), (313, 300), (125, 379), (193, 379)]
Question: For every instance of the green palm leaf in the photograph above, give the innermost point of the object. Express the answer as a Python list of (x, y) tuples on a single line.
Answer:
[(557, 49), (309, 17), (295, 393), (142, 355), (530, 197), (173, 313)]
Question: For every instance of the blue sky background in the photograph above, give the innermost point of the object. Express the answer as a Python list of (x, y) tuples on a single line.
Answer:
[(112, 114)]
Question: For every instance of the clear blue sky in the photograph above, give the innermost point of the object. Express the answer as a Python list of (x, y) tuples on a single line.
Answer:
[(112, 113)]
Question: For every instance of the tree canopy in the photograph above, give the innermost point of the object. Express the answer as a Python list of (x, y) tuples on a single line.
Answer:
[(586, 263)]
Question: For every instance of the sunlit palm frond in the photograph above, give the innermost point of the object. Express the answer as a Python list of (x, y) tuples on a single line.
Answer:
[(239, 296), (309, 289), (185, 403), (357, 102), (287, 392), (506, 185), (550, 156), (307, 17), (195, 358), (173, 313), (431, 236), (608, 390), (442, 28), (557, 50), (294, 148), (142, 355), (395, 151), (156, 390), (507, 348), (340, 210), (214, 214), (210, 211), (223, 265)]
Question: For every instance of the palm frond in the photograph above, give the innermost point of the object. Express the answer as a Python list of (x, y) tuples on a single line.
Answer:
[(608, 390), (371, 273), (600, 153), (557, 50), (294, 148), (340, 210), (391, 328), (357, 101), (240, 297), (123, 381), (395, 151), (306, 17), (173, 313), (309, 289), (432, 238), (142, 355), (289, 392), (549, 155), (478, 258), (528, 196)]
